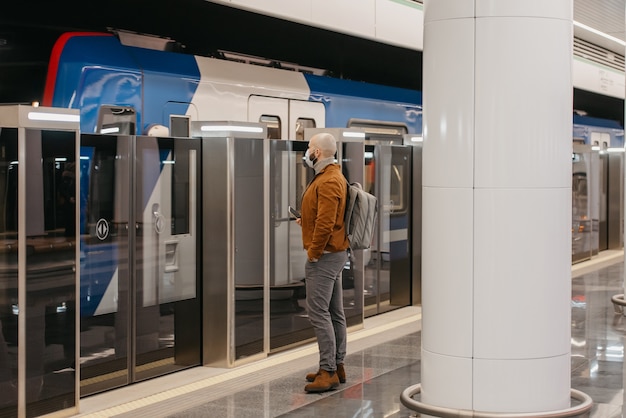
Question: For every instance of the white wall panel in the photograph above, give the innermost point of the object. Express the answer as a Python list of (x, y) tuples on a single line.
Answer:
[(448, 9), (509, 379), (447, 271), (395, 22), (557, 9), (522, 263), (598, 79), (400, 25), (354, 16), (287, 9), (449, 115), (514, 130)]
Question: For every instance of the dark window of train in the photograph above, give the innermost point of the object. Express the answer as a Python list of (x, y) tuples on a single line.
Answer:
[(301, 125), (273, 126), (380, 131), (117, 120)]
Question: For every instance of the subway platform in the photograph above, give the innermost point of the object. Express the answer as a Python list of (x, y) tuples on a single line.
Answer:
[(383, 360)]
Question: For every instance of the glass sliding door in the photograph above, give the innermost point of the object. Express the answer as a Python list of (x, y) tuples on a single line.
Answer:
[(289, 323), (387, 283), (140, 314), (166, 325), (289, 178), (9, 342), (37, 270), (105, 228)]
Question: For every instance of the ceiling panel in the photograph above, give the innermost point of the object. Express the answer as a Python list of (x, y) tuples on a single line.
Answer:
[(607, 16)]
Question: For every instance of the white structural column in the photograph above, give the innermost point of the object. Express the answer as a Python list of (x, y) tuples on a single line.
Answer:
[(497, 205)]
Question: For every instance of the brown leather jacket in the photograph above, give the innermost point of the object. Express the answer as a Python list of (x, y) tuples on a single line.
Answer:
[(323, 209)]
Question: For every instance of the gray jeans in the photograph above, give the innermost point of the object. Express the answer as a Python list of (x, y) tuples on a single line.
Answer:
[(324, 298)]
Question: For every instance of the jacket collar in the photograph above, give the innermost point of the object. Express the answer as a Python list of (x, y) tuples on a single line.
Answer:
[(321, 164)]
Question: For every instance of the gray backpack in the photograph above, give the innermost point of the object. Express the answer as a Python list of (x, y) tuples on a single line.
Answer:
[(360, 217)]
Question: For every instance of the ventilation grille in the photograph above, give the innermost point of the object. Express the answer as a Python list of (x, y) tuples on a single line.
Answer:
[(598, 55)]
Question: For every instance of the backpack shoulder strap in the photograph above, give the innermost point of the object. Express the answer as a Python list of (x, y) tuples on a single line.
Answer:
[(350, 198)]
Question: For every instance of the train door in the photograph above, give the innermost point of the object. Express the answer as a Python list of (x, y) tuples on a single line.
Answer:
[(387, 282), (140, 306), (286, 118), (305, 115)]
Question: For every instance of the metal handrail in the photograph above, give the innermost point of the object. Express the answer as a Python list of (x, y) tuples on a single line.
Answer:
[(407, 400), (618, 303)]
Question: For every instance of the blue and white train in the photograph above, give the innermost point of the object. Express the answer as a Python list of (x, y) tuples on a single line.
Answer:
[(98, 74)]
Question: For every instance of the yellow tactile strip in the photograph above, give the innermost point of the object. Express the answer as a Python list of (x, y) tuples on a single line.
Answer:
[(121, 373)]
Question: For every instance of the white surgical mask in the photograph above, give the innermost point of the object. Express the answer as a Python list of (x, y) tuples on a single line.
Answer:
[(309, 159)]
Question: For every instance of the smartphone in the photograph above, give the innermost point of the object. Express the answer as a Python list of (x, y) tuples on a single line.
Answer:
[(294, 212)]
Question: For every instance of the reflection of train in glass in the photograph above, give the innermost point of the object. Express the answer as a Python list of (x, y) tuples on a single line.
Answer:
[(597, 184)]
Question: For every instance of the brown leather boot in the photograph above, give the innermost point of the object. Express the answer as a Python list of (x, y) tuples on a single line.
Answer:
[(323, 381), (341, 374), (311, 376)]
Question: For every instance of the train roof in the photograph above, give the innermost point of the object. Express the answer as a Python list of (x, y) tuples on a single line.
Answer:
[(93, 48), (363, 90)]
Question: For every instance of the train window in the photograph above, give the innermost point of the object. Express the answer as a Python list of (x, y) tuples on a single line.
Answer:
[(379, 128), (273, 126), (117, 120), (301, 125)]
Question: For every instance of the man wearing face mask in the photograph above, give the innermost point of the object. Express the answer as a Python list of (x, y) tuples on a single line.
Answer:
[(324, 239)]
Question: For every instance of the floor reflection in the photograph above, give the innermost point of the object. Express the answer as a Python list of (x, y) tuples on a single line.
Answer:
[(598, 340), (378, 375)]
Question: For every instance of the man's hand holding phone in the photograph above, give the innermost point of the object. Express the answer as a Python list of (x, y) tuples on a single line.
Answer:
[(296, 215), (294, 212)]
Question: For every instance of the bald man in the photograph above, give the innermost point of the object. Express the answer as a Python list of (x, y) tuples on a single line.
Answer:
[(325, 241)]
